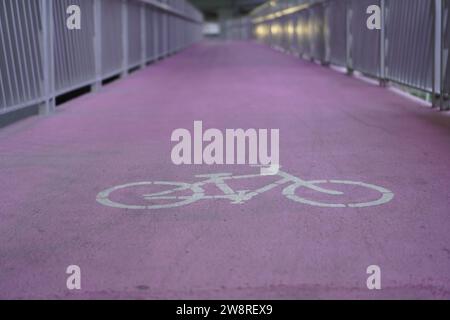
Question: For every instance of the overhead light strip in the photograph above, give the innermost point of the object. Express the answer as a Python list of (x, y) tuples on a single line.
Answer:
[(281, 13)]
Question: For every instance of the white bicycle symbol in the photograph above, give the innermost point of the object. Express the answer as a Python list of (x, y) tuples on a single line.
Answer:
[(239, 196)]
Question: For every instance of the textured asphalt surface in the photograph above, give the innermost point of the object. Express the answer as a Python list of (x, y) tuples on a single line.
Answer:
[(331, 127)]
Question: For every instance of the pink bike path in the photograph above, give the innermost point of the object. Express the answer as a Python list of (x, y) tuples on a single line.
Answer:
[(331, 127)]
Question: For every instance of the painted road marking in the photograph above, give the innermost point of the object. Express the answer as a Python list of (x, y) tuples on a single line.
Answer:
[(239, 196)]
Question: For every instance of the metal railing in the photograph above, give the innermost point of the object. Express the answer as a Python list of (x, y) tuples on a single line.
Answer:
[(40, 58), (411, 48), (238, 29)]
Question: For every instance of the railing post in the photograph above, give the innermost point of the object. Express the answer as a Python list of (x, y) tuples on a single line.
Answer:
[(165, 34), (326, 35), (143, 35), (443, 101), (124, 38), (155, 34), (437, 57), (383, 52), (349, 37), (445, 105), (47, 49), (98, 44)]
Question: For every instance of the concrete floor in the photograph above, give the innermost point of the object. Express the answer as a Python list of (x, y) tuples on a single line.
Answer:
[(331, 127)]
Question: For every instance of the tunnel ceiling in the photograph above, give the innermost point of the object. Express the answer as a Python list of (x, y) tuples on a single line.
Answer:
[(211, 8)]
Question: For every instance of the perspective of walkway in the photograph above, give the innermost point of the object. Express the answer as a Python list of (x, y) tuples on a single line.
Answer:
[(332, 127)]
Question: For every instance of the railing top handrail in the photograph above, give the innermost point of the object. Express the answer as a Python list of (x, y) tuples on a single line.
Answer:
[(165, 7)]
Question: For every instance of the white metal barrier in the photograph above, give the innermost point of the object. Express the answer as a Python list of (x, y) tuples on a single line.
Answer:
[(411, 48), (40, 58)]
